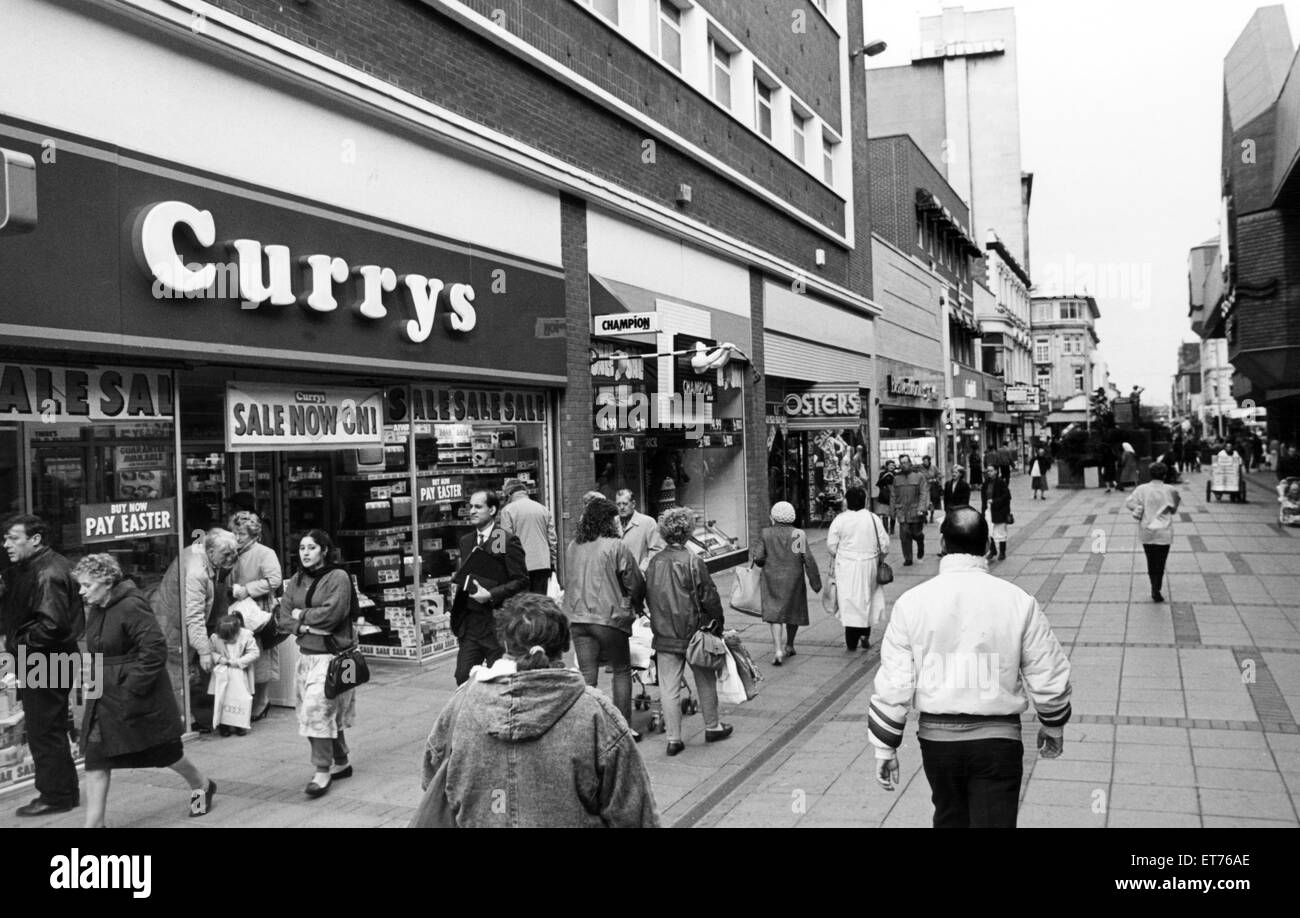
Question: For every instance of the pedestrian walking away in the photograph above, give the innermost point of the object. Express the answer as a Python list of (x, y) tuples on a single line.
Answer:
[(782, 553), (683, 599), (492, 569), (533, 524), (1154, 505), (317, 607), (1038, 474), (603, 592), (910, 508), (885, 494), (133, 722), (934, 487), (42, 613), (552, 750), (257, 575), (640, 532), (1128, 467), (857, 543), (962, 622)]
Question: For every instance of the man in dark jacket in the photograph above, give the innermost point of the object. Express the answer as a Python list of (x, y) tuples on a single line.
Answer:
[(956, 492), (42, 613), (492, 569)]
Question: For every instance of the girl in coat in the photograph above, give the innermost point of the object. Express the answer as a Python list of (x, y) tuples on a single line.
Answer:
[(1154, 506), (857, 542), (234, 651), (782, 553), (134, 723)]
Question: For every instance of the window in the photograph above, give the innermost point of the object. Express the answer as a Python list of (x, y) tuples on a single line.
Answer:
[(720, 73), (920, 231), (1071, 310), (763, 108), (1042, 350), (1043, 312), (798, 128), (1045, 379), (1078, 379), (828, 159), (606, 8), (670, 35)]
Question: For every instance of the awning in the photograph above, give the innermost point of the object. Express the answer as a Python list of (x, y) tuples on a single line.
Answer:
[(1067, 417), (972, 404)]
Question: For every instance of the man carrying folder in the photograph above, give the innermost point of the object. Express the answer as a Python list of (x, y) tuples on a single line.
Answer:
[(492, 569)]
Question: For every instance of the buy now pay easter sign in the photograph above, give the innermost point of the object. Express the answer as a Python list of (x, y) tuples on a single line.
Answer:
[(136, 519)]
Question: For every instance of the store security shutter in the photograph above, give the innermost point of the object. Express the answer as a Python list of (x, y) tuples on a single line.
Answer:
[(797, 359)]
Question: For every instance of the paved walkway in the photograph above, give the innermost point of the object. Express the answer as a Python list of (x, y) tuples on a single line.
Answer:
[(1184, 712)]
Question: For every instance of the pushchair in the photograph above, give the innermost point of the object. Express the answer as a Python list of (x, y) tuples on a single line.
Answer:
[(1288, 498), (645, 673)]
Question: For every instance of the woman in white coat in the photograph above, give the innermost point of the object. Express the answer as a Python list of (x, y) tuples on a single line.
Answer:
[(857, 541)]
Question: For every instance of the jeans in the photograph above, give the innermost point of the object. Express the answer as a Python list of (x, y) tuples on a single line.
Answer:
[(46, 713), (1157, 555), (974, 783), (671, 668), (593, 643), (853, 635), (326, 751), (473, 651), (539, 580), (909, 531)]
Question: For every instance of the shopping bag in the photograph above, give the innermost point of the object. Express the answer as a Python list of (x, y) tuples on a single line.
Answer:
[(831, 598), (639, 644), (746, 594), (254, 616), (730, 689), (553, 590), (750, 677), (232, 701)]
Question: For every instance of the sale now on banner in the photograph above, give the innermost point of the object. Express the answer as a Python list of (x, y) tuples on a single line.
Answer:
[(276, 417)]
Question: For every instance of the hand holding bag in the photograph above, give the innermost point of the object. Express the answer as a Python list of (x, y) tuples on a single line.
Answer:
[(831, 597), (746, 594), (347, 669), (884, 573)]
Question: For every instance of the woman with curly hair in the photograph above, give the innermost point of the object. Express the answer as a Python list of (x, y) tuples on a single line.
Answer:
[(603, 591), (683, 599), (134, 721), (256, 576)]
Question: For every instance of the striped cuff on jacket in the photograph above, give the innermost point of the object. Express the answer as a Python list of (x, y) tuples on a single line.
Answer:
[(1057, 718), (884, 729)]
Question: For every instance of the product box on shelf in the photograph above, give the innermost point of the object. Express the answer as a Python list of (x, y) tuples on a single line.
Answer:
[(378, 511)]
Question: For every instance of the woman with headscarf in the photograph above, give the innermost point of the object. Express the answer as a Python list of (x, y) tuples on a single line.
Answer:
[(782, 554), (1128, 467), (857, 542), (1154, 506)]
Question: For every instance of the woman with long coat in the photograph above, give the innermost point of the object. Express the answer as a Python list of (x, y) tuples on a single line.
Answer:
[(857, 542), (1128, 467), (885, 493), (782, 554), (257, 576), (997, 510), (134, 721)]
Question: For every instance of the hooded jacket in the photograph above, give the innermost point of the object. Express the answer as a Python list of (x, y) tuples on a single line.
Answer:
[(532, 749)]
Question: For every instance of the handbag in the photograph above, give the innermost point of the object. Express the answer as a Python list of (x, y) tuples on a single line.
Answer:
[(831, 598), (746, 595), (884, 573), (1011, 518), (347, 669), (706, 651)]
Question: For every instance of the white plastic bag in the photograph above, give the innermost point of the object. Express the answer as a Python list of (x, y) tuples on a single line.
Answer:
[(254, 615), (639, 644), (232, 702), (730, 689), (553, 590)]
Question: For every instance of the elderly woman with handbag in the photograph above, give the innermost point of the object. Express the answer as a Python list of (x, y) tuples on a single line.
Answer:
[(683, 600), (782, 554), (858, 543), (317, 607), (256, 576), (1153, 505), (134, 721)]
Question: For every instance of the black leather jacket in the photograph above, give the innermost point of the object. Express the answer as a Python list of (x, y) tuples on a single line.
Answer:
[(42, 604)]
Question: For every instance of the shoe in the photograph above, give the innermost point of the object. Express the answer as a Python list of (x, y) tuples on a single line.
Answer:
[(240, 731), (314, 789), (344, 772), (200, 728), (265, 711), (789, 652), (777, 659), (223, 730), (920, 551), (39, 807), (907, 564), (201, 800), (718, 735), (636, 737), (675, 747), (1157, 596)]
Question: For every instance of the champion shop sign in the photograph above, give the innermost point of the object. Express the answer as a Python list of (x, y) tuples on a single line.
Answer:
[(625, 323)]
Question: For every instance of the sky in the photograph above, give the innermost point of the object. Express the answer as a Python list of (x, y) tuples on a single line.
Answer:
[(1121, 106)]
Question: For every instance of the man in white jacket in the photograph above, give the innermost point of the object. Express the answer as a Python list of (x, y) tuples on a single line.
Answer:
[(963, 648)]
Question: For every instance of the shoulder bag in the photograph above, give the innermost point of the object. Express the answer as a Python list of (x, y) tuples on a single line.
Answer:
[(884, 573), (348, 668)]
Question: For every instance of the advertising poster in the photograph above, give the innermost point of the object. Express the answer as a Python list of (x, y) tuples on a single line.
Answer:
[(265, 417)]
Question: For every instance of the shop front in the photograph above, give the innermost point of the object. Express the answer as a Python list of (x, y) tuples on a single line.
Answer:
[(973, 407), (178, 346), (911, 408), (668, 424), (818, 445)]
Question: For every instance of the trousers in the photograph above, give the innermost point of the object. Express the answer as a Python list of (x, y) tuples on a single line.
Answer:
[(1157, 555), (974, 783), (671, 668), (593, 643), (45, 711), (909, 531), (326, 751), (473, 651)]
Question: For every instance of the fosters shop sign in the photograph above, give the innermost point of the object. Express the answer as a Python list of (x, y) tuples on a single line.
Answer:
[(278, 417)]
